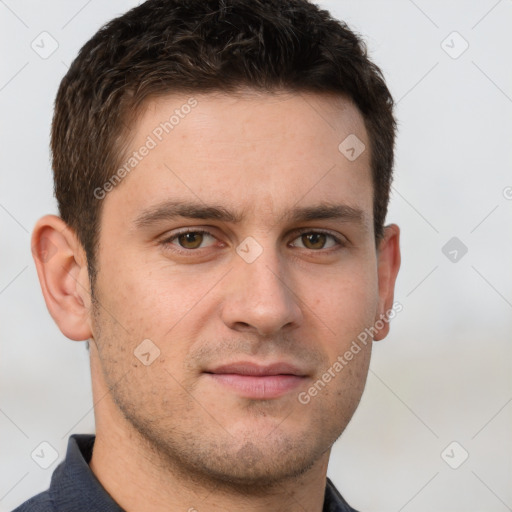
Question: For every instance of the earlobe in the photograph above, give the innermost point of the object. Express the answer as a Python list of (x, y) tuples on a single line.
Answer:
[(388, 254), (62, 270)]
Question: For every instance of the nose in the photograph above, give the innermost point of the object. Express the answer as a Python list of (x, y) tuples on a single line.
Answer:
[(260, 298)]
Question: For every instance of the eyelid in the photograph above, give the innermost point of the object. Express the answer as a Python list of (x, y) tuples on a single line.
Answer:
[(340, 240), (171, 238)]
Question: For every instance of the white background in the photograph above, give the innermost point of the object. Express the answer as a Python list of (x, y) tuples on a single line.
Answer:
[(444, 373)]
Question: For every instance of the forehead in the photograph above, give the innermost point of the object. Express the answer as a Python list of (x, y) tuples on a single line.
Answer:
[(257, 152)]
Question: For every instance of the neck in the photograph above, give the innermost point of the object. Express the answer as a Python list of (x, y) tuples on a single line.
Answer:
[(140, 480)]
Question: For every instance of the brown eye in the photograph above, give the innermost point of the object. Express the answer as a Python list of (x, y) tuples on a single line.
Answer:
[(191, 240), (314, 240)]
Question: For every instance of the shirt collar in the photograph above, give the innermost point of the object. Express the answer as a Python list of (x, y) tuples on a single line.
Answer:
[(74, 484), (334, 501)]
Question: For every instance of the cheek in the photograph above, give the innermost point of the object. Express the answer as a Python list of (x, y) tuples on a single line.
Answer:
[(161, 304), (142, 294), (345, 301)]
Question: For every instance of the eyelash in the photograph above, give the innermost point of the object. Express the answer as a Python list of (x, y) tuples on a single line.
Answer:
[(168, 241)]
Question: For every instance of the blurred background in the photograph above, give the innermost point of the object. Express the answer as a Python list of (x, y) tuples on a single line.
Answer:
[(434, 428)]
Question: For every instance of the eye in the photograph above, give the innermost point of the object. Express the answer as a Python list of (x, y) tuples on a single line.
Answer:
[(197, 239), (317, 240), (190, 240)]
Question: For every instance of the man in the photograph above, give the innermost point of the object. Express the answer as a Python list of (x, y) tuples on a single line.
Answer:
[(222, 170)]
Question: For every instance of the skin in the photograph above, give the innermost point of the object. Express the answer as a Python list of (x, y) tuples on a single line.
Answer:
[(169, 435)]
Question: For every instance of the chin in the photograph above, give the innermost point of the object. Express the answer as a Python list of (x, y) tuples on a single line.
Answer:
[(255, 460), (253, 469)]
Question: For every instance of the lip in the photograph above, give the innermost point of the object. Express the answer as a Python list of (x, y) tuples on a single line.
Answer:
[(258, 382), (258, 370)]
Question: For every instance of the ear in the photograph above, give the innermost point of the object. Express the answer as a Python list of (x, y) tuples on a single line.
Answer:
[(388, 264), (62, 270)]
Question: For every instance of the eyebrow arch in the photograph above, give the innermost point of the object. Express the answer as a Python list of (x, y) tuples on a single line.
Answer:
[(170, 210)]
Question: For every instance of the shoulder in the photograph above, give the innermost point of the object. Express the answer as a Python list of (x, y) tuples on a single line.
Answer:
[(39, 503)]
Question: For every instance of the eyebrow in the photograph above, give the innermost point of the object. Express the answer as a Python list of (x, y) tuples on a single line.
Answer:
[(170, 210)]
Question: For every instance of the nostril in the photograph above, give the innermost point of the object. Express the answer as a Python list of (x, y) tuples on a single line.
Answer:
[(243, 325)]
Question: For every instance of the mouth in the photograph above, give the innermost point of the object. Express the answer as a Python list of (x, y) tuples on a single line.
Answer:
[(258, 382)]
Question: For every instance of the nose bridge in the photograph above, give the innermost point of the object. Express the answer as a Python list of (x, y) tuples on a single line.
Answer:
[(265, 276), (261, 296)]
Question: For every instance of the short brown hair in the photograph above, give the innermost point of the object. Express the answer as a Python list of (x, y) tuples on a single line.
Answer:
[(165, 46)]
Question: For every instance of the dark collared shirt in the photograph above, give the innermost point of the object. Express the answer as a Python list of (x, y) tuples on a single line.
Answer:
[(75, 488)]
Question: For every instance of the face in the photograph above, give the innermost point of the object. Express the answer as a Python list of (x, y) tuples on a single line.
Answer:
[(241, 249)]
